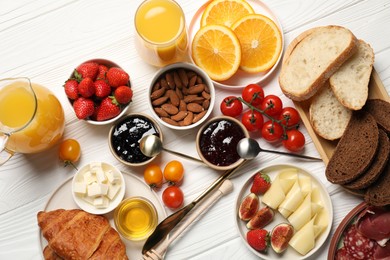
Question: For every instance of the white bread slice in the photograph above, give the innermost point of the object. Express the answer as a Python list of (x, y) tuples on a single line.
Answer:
[(328, 117), (350, 82), (312, 58)]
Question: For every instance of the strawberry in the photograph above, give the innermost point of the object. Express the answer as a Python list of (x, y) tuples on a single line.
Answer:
[(107, 110), (88, 70), (102, 89), (71, 89), (83, 107), (102, 72), (261, 183), (86, 87), (117, 77), (123, 94), (258, 239)]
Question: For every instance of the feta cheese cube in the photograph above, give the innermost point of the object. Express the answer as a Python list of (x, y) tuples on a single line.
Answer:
[(112, 177), (94, 165), (89, 200), (94, 189), (89, 177), (113, 190), (101, 202), (103, 189), (80, 187), (100, 175)]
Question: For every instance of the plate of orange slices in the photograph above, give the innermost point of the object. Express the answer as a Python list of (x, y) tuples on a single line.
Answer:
[(237, 42)]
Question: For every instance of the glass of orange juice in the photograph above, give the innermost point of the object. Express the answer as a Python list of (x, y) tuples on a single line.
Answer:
[(161, 33), (31, 118)]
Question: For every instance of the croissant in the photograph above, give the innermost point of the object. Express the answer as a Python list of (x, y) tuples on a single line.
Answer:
[(76, 234)]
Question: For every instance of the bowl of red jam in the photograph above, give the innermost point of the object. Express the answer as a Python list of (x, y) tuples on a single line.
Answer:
[(126, 134), (216, 142)]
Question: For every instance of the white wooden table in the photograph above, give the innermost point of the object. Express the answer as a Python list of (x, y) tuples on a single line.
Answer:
[(45, 40)]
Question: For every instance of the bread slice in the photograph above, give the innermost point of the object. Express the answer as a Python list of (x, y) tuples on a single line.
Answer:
[(355, 150), (328, 117), (312, 58), (380, 110), (378, 194), (350, 81), (376, 167)]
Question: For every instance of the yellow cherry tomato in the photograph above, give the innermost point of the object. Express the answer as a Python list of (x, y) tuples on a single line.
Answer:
[(69, 151), (153, 176), (174, 172)]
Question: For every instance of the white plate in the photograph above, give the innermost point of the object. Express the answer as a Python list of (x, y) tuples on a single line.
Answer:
[(290, 253), (62, 198), (241, 78)]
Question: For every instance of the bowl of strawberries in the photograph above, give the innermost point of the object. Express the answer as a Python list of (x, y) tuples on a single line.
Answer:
[(99, 91)]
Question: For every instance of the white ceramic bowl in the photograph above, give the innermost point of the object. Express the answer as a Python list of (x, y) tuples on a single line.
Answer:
[(124, 108), (88, 207), (188, 67), (227, 135), (121, 127)]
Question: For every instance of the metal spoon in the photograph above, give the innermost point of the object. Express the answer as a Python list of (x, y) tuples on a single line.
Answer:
[(151, 145), (166, 226), (249, 148)]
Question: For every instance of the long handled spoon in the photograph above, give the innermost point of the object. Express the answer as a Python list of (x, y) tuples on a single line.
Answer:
[(166, 226), (158, 252), (249, 148), (151, 145)]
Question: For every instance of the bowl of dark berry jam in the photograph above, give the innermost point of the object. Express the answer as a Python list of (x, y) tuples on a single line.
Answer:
[(216, 142), (125, 136)]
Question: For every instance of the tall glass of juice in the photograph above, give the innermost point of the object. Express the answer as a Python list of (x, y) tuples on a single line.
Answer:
[(161, 33), (31, 118)]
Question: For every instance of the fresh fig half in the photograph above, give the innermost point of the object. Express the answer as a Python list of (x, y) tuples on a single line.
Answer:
[(261, 219), (249, 206), (280, 236)]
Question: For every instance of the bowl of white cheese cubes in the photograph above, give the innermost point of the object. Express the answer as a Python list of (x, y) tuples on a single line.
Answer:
[(98, 187)]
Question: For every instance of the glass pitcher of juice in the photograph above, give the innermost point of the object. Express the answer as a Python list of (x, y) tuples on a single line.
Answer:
[(161, 33), (31, 118)]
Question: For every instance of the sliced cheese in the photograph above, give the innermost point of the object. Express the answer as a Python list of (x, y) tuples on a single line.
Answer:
[(304, 240), (280, 187), (292, 201), (302, 214)]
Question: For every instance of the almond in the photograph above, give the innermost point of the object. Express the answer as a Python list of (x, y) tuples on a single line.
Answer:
[(159, 101), (198, 117), (170, 109), (157, 93), (170, 121), (183, 77), (179, 116), (196, 89), (194, 107)]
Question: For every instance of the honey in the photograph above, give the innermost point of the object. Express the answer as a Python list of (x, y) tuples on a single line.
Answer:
[(135, 218)]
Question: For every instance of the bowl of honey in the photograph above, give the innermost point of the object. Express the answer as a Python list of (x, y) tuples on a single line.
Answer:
[(135, 218)]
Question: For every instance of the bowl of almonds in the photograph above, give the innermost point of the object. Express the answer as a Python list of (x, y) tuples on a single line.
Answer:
[(181, 96)]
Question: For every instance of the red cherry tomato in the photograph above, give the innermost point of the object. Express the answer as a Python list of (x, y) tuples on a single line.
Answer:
[(272, 105), (253, 94), (231, 106), (173, 197), (252, 120), (289, 116), (272, 131), (295, 140)]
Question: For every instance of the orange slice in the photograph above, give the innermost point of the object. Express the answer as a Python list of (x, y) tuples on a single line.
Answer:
[(216, 50), (225, 12), (260, 40)]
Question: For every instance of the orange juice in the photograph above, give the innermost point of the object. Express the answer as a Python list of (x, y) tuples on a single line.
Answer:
[(44, 117), (162, 35)]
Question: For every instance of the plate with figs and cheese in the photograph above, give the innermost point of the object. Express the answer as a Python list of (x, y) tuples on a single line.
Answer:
[(287, 204)]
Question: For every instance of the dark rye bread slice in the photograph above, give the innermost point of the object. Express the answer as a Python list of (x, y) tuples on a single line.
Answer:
[(378, 194), (376, 167), (355, 150), (380, 110)]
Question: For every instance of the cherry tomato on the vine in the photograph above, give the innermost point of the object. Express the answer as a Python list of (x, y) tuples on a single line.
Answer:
[(253, 94), (231, 106), (272, 105), (272, 131), (295, 140), (69, 152), (173, 197), (153, 176), (289, 116), (252, 120), (174, 172)]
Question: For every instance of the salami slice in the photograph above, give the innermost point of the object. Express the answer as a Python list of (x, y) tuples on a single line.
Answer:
[(357, 245), (342, 254)]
